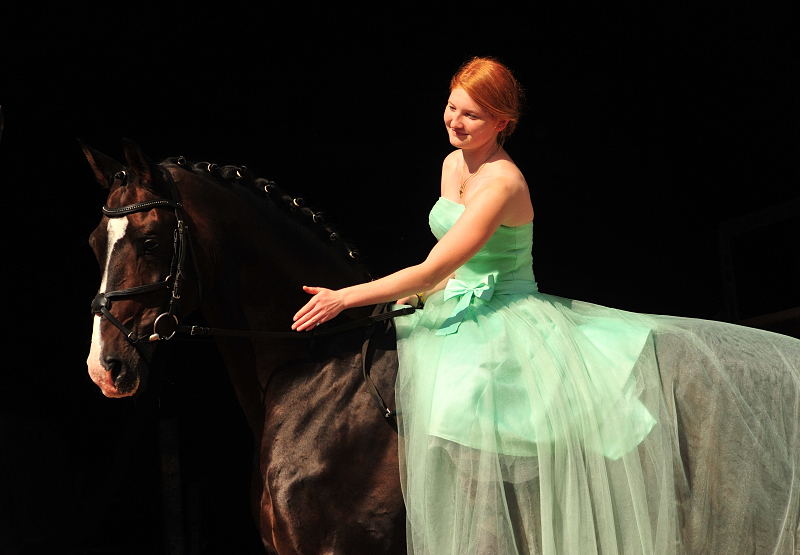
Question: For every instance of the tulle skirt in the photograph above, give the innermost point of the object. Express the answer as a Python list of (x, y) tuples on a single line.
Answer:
[(551, 426)]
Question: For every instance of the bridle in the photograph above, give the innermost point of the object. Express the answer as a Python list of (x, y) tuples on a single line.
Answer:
[(167, 325)]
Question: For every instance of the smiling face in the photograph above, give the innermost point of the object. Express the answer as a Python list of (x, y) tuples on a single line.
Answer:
[(468, 125)]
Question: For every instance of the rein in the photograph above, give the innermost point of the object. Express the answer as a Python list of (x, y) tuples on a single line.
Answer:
[(166, 325)]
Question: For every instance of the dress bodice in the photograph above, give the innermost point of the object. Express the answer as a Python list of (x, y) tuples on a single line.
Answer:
[(506, 255)]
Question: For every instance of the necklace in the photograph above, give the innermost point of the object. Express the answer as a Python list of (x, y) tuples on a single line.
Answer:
[(464, 181)]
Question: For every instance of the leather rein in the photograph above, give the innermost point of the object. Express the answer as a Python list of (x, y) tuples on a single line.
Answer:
[(167, 325)]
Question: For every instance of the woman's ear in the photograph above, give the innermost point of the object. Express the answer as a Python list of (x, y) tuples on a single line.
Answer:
[(501, 124)]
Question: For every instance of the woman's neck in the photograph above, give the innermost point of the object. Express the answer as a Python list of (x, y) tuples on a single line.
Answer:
[(474, 158)]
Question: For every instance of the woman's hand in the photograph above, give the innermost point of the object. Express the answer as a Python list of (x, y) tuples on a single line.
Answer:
[(325, 305)]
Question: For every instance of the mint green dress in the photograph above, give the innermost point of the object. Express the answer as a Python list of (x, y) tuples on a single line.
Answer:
[(535, 424)]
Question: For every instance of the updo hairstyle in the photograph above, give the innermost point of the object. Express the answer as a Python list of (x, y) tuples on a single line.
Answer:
[(492, 86)]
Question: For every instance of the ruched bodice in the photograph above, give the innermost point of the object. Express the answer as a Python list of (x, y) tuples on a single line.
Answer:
[(506, 255)]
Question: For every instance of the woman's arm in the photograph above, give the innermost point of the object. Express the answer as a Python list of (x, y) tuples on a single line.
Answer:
[(487, 210), (411, 300)]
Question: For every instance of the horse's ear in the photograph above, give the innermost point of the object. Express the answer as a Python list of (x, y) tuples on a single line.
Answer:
[(104, 167), (149, 173)]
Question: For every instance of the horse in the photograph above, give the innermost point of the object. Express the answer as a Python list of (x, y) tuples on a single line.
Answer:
[(326, 467), (325, 475)]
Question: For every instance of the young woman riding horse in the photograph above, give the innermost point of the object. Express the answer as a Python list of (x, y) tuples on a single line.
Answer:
[(535, 424), (527, 423)]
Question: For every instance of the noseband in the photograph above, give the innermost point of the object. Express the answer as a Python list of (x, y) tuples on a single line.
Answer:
[(166, 324)]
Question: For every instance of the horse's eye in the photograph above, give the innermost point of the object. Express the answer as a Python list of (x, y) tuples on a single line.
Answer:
[(150, 245)]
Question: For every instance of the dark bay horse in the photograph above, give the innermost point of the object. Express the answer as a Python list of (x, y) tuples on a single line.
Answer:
[(325, 475), (326, 468)]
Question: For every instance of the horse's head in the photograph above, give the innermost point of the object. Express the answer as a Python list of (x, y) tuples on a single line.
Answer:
[(136, 250)]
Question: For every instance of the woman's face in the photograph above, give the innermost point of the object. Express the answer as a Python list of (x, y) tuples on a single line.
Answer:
[(468, 125)]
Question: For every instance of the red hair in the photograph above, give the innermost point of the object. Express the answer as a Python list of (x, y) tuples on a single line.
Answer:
[(492, 86)]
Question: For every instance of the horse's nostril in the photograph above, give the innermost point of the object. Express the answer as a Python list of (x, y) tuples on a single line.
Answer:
[(122, 379), (114, 367)]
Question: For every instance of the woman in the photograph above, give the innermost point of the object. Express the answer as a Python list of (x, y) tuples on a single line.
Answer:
[(481, 177), (531, 423)]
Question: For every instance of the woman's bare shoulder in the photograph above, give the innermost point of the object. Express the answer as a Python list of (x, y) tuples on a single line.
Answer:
[(452, 160), (510, 170), (510, 186), (506, 176)]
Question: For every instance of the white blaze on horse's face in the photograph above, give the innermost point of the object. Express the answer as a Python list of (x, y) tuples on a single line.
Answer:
[(115, 231)]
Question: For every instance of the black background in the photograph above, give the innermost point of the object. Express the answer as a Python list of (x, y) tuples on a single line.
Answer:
[(644, 130)]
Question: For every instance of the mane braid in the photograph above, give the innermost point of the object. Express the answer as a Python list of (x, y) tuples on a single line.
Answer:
[(265, 189)]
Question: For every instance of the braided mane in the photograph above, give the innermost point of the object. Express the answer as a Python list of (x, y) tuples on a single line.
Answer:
[(234, 177)]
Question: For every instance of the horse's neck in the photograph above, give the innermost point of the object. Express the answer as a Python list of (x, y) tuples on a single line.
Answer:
[(257, 263), (279, 257), (262, 257)]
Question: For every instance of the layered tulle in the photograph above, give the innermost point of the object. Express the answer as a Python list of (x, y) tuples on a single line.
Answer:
[(536, 424)]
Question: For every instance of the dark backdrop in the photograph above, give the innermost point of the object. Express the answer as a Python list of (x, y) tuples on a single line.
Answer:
[(644, 130)]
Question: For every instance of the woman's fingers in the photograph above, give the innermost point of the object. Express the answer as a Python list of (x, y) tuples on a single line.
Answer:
[(304, 325), (305, 317), (307, 321)]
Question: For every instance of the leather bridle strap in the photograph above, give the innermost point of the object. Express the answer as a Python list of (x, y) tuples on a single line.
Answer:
[(366, 362), (141, 206), (102, 302), (313, 334)]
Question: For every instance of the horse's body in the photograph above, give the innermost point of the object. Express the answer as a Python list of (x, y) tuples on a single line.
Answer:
[(326, 477)]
